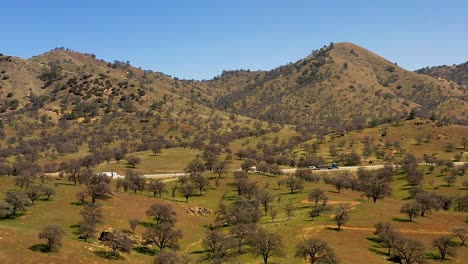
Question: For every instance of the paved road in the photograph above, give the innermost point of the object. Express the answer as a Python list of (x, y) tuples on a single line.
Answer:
[(292, 170)]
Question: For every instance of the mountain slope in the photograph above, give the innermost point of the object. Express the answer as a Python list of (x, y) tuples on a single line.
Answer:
[(338, 87), (342, 85), (456, 73)]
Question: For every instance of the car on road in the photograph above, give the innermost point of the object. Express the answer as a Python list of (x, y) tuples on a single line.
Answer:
[(333, 167), (313, 168)]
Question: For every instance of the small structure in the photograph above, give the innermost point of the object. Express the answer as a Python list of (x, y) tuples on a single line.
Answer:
[(111, 174)]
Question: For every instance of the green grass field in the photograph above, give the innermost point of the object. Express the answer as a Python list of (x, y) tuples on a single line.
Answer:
[(351, 244)]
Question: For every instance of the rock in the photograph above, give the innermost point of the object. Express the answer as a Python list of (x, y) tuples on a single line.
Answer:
[(105, 233), (199, 211)]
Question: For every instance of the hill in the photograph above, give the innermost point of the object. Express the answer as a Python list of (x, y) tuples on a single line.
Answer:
[(340, 86), (455, 73)]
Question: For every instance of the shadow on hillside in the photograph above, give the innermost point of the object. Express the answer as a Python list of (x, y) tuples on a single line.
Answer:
[(374, 249), (197, 252), (334, 229), (107, 254), (12, 217), (145, 250), (403, 220), (40, 248)]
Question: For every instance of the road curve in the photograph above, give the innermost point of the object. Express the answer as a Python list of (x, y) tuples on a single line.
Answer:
[(291, 170)]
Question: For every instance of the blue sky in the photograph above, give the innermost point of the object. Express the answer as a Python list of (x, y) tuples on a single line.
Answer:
[(198, 39)]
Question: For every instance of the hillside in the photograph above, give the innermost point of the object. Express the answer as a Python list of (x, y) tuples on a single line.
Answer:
[(455, 73), (340, 86)]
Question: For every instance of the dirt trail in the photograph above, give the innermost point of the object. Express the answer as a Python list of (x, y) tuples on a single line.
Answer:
[(315, 229), (186, 250), (414, 231)]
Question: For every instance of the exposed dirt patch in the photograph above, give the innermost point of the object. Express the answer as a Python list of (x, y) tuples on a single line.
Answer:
[(306, 201), (198, 211)]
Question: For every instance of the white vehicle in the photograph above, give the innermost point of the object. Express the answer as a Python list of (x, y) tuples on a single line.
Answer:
[(313, 168)]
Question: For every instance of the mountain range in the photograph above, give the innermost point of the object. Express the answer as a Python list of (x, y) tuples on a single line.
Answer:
[(340, 86)]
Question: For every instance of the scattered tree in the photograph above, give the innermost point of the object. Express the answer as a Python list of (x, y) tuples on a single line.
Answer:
[(342, 214), (460, 233), (316, 250), (267, 244), (162, 213), (412, 209), (171, 257), (218, 246), (53, 235), (118, 242), (410, 251), (445, 246)]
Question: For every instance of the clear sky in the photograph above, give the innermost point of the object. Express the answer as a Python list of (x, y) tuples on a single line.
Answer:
[(200, 38)]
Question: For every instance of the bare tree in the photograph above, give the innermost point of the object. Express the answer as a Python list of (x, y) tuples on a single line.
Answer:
[(389, 235), (294, 183), (4, 209), (99, 190), (163, 235), (133, 161), (427, 202), (316, 250), (133, 222), (195, 167), (342, 214), (156, 187), (445, 246), (410, 251), (162, 213), (265, 198), (87, 230), (92, 214), (241, 234), (316, 195), (48, 191), (200, 182), (187, 191), (218, 246), (53, 235), (171, 257), (81, 196), (33, 193), (460, 233), (412, 209), (118, 242), (267, 244), (289, 209), (221, 168), (17, 201)]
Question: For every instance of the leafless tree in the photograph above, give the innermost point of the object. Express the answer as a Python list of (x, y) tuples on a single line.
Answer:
[(163, 235), (316, 251), (445, 246), (162, 212), (218, 246), (410, 251), (342, 214), (267, 245), (53, 235)]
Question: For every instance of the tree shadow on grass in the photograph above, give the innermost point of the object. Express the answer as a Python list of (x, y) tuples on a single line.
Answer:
[(147, 224), (403, 220), (79, 203), (374, 239), (40, 248), (374, 249), (107, 254), (432, 255), (197, 252), (334, 229), (145, 250), (12, 217)]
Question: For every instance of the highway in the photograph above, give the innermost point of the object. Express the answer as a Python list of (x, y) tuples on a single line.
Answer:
[(291, 170)]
